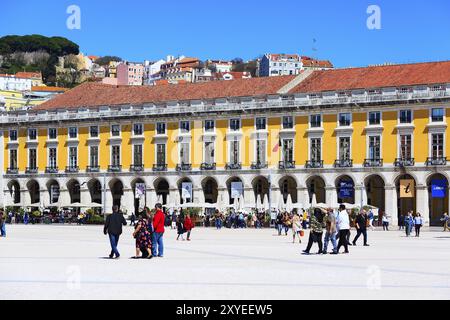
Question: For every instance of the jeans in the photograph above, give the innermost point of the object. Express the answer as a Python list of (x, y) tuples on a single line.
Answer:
[(114, 240), (286, 229), (157, 244), (385, 226), (418, 226), (280, 228), (218, 223), (3, 230), (408, 229), (358, 234), (328, 237)]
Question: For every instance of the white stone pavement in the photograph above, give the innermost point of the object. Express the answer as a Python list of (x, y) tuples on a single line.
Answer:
[(66, 262)]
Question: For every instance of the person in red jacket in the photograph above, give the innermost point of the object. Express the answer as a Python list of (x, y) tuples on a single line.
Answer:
[(188, 225), (158, 227)]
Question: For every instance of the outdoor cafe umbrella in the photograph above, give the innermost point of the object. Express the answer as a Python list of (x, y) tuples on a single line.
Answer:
[(95, 205), (266, 203), (289, 203), (313, 203), (241, 202), (258, 205)]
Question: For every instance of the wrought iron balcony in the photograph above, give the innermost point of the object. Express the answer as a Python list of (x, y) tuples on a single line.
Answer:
[(31, 170), (184, 167), (233, 166), (314, 164), (92, 169), (208, 166), (12, 171), (259, 165), (283, 165), (436, 161), (72, 169), (373, 163), (137, 168), (114, 168), (343, 163), (404, 162), (51, 170), (160, 167)]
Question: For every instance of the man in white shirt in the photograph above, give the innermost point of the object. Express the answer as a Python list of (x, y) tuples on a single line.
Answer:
[(343, 225)]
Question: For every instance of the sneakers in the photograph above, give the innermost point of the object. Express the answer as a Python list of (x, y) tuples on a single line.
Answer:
[(367, 245)]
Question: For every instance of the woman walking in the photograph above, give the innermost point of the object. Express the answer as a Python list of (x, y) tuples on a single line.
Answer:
[(418, 222), (188, 225), (143, 237), (297, 228), (385, 222), (408, 223), (180, 227), (317, 225)]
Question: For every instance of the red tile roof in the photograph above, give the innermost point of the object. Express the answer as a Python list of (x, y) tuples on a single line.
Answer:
[(376, 77), (313, 63), (28, 75), (95, 94), (48, 89)]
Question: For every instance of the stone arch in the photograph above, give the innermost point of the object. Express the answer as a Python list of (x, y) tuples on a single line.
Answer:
[(74, 189), (316, 185), (345, 188), (288, 186)]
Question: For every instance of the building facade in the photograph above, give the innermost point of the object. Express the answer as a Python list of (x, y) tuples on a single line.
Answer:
[(279, 65), (373, 136), (130, 74)]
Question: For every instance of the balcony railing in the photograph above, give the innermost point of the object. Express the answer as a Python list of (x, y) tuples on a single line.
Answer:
[(93, 169), (259, 165), (12, 171), (283, 165), (208, 166), (19, 116), (233, 166), (160, 167), (31, 170), (436, 161), (137, 168), (184, 167), (373, 163), (114, 168), (72, 169), (404, 162), (51, 170), (314, 164), (343, 163)]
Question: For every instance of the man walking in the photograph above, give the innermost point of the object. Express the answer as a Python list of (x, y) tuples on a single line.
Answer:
[(331, 232), (113, 227), (2, 225), (343, 224), (361, 227), (158, 226)]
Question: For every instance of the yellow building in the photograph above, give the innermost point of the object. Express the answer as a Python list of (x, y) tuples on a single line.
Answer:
[(19, 99), (373, 135)]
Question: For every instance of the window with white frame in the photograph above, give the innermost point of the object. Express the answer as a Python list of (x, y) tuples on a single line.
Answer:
[(32, 158), (93, 156), (344, 148), (234, 151), (137, 156), (437, 115), (405, 146), (260, 123), (184, 153), (437, 145), (13, 159), (160, 154), (288, 122), (344, 119), (209, 125), (185, 126), (405, 116), (52, 133), (115, 156), (52, 159), (235, 124), (374, 147), (32, 134), (160, 128), (73, 157), (138, 129), (315, 121), (315, 149), (261, 151), (115, 130), (13, 135), (374, 118), (93, 131), (288, 150), (209, 152), (73, 132)]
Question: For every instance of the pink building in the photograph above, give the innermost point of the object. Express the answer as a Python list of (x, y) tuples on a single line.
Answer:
[(130, 74)]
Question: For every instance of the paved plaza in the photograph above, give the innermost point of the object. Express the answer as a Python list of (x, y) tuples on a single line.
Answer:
[(68, 262)]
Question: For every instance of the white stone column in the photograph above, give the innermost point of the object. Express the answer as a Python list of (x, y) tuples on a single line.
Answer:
[(127, 201), (25, 197), (331, 195), (150, 198), (174, 195), (422, 204), (64, 196), (223, 197), (198, 195), (390, 198), (85, 196), (358, 197), (108, 201), (249, 195), (303, 196), (44, 197)]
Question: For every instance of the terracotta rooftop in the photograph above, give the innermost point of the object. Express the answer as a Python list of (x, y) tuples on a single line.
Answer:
[(48, 89), (313, 63), (376, 77), (96, 94)]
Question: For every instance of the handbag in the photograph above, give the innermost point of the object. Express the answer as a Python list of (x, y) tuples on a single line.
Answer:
[(302, 233)]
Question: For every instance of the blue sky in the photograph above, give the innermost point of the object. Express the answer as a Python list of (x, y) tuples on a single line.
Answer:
[(411, 30)]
